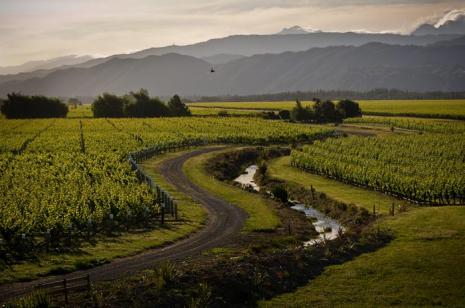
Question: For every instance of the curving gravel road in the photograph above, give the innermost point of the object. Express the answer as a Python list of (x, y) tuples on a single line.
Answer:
[(224, 220)]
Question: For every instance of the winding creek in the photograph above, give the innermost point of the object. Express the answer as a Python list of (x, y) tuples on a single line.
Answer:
[(327, 228)]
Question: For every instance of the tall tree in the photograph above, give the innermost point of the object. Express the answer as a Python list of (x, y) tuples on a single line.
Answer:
[(177, 107), (326, 112), (140, 104), (108, 106), (301, 114)]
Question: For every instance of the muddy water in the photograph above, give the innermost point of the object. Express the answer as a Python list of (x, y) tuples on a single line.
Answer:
[(327, 228), (247, 177)]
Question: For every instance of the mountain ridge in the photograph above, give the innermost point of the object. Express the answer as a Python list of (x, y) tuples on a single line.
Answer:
[(373, 65), (248, 45)]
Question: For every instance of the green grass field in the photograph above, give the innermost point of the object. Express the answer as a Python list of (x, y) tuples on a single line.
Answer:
[(438, 107), (191, 214), (422, 266), (205, 111), (420, 107), (261, 215)]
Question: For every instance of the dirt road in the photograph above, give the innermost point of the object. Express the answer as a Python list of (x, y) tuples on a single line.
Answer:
[(224, 220)]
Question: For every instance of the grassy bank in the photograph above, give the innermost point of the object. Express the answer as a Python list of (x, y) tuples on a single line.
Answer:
[(423, 265), (261, 216), (107, 248)]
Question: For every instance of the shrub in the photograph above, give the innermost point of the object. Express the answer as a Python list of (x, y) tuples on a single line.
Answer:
[(280, 193), (269, 115), (284, 114)]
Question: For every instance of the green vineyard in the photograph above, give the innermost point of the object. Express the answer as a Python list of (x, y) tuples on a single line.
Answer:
[(71, 175), (425, 125), (426, 168)]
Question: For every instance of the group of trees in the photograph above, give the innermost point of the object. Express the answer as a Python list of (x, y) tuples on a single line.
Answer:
[(18, 106), (137, 104), (325, 111)]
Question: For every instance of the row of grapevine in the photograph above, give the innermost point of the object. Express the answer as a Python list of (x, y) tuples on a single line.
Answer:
[(423, 125), (428, 168)]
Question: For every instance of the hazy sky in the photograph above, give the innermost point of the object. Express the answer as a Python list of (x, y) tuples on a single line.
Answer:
[(42, 29)]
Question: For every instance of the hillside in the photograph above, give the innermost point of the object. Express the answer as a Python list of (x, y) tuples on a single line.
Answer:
[(366, 67)]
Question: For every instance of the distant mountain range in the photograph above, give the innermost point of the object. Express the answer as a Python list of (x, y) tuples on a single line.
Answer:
[(440, 66), (222, 50), (44, 64)]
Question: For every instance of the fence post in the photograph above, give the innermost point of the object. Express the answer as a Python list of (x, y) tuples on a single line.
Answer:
[(162, 213), (66, 290), (88, 283)]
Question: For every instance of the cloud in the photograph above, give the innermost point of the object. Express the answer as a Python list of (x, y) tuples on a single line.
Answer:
[(450, 16), (36, 29)]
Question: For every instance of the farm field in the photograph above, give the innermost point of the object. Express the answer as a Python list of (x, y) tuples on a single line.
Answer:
[(47, 158), (43, 161), (102, 249), (82, 111), (426, 108), (232, 154)]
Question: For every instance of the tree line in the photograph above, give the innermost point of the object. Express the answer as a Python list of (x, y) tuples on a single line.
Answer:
[(325, 111), (18, 106), (137, 104), (386, 94), (134, 104)]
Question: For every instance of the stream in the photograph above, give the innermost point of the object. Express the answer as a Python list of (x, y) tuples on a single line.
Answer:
[(327, 228), (246, 179)]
